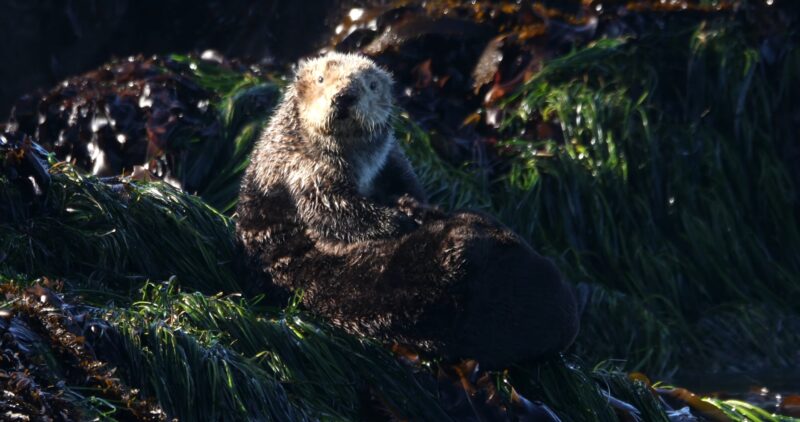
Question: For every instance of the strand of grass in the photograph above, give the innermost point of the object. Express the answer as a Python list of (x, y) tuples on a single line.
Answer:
[(633, 392), (243, 114), (447, 185), (212, 168), (191, 375), (641, 334), (566, 388), (113, 236), (714, 225), (328, 370), (745, 412), (196, 380), (670, 185)]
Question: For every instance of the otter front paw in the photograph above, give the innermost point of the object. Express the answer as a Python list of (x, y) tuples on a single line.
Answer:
[(403, 223), (418, 211)]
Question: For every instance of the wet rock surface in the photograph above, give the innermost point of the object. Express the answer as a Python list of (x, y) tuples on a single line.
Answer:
[(149, 117)]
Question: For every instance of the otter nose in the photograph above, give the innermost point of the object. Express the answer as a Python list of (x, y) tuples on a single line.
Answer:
[(344, 101)]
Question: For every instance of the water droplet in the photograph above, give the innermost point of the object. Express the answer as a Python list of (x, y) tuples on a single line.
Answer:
[(36, 189), (99, 122), (212, 56), (145, 100), (356, 13)]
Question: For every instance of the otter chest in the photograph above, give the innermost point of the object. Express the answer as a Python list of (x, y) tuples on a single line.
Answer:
[(367, 165)]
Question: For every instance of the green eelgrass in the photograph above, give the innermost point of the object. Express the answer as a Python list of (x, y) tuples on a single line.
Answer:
[(673, 185), (668, 189), (224, 357), (114, 236), (227, 357), (320, 368), (215, 165)]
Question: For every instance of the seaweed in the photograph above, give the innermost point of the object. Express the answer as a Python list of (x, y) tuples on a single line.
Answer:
[(652, 154)]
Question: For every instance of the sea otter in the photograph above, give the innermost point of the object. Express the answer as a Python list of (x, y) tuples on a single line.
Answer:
[(330, 205), (327, 163)]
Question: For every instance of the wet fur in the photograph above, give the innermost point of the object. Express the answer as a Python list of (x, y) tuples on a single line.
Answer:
[(331, 205)]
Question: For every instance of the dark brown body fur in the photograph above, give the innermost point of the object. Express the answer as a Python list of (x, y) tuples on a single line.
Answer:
[(375, 260)]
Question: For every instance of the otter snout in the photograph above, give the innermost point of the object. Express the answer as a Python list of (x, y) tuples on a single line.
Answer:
[(343, 101)]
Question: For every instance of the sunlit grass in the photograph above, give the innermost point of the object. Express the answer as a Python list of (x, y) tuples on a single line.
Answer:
[(668, 187)]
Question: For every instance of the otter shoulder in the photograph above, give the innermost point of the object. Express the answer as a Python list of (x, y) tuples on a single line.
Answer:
[(369, 161)]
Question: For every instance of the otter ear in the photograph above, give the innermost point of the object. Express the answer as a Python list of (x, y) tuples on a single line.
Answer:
[(307, 62), (296, 69), (304, 63)]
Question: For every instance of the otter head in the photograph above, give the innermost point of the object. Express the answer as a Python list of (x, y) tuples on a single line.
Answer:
[(343, 94)]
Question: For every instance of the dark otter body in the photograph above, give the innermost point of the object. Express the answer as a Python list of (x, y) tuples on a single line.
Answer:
[(330, 205)]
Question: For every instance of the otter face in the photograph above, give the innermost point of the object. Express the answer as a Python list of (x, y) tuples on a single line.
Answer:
[(343, 94)]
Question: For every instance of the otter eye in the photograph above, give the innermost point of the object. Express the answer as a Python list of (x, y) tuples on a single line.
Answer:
[(373, 85), (320, 79)]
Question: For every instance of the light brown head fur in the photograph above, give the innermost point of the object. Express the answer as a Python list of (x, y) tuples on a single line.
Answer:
[(343, 94)]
